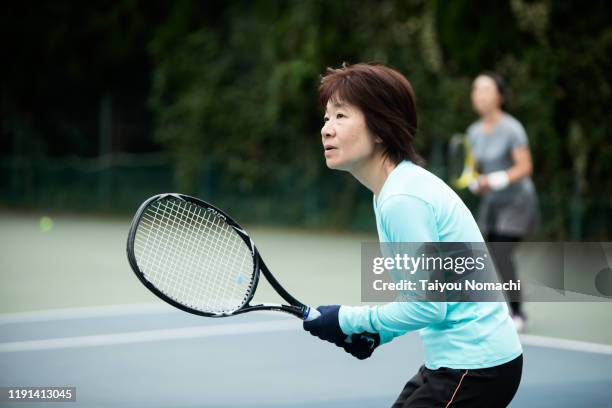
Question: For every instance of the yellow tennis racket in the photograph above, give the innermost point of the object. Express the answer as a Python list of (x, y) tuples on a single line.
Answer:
[(461, 164)]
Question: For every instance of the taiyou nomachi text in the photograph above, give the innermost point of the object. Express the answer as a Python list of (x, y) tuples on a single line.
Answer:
[(438, 286)]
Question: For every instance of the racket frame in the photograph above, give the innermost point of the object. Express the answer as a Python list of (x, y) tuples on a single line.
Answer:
[(469, 171), (295, 307)]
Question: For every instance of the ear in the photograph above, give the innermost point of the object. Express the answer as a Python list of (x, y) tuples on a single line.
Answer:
[(377, 139)]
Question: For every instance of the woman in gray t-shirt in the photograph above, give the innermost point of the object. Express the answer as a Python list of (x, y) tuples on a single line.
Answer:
[(508, 207)]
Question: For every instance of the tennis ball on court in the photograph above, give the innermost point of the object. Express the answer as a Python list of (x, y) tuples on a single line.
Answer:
[(46, 224)]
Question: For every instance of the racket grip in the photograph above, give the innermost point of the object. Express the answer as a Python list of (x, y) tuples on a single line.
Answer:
[(311, 314)]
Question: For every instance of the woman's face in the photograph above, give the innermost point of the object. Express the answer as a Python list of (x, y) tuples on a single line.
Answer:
[(485, 96), (346, 139)]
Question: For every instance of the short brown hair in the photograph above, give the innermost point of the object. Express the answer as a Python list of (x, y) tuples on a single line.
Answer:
[(386, 99)]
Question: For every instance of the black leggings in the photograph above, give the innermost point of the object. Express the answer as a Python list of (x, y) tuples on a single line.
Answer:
[(505, 265), (492, 387)]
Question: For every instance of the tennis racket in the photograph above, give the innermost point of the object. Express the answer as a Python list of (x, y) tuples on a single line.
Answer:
[(461, 164), (195, 257)]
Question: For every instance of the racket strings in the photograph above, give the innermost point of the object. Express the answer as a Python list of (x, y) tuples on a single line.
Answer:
[(193, 256), (184, 229)]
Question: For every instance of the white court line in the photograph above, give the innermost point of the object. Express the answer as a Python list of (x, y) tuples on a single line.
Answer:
[(564, 344), (150, 335), (98, 311), (86, 312), (153, 308), (242, 328)]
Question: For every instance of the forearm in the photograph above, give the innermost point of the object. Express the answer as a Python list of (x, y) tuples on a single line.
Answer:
[(518, 172), (390, 320), (522, 165)]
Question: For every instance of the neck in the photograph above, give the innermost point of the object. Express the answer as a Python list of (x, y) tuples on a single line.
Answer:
[(374, 173), (492, 117)]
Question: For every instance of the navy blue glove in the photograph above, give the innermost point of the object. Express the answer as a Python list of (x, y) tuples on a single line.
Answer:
[(362, 345), (327, 327)]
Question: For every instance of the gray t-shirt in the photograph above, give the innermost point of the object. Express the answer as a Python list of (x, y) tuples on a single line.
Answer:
[(513, 210)]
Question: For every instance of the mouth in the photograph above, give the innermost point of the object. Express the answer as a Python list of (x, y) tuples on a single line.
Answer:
[(329, 147)]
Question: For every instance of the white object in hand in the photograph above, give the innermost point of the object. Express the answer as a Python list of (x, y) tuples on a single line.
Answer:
[(474, 187), (498, 180)]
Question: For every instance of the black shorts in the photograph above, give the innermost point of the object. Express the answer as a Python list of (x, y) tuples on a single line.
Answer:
[(492, 387)]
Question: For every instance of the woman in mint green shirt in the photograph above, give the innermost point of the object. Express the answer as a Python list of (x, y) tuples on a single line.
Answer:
[(473, 356)]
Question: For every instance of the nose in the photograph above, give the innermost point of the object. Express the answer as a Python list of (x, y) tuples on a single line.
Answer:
[(327, 130)]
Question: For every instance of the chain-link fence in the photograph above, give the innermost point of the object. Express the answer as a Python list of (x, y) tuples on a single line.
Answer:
[(118, 183)]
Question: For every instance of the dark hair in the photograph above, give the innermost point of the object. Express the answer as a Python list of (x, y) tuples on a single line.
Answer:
[(386, 99), (501, 86)]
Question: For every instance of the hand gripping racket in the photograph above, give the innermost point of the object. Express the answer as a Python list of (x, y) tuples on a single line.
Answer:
[(461, 164), (195, 257)]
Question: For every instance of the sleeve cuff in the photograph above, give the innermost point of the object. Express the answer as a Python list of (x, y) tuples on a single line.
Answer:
[(385, 337), (343, 320), (346, 316)]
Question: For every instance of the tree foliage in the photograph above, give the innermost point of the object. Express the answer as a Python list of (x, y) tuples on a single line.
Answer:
[(232, 88), (242, 91)]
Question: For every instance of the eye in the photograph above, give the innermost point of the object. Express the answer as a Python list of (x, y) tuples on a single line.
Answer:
[(325, 119), (340, 115)]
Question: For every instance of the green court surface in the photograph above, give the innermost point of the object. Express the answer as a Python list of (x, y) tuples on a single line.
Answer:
[(80, 261)]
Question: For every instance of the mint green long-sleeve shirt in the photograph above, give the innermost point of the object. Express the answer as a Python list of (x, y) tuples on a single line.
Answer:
[(416, 206)]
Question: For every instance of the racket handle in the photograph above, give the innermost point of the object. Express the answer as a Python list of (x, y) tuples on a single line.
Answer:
[(311, 314)]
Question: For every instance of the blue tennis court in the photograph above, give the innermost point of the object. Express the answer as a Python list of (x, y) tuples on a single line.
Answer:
[(150, 355)]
